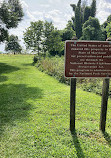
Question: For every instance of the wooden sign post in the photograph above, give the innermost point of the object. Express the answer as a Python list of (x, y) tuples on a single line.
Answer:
[(88, 59), (105, 93), (72, 103)]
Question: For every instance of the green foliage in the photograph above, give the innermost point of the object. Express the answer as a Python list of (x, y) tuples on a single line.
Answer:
[(68, 33), (92, 22), (11, 13), (104, 27), (53, 66), (108, 30), (47, 31), (3, 34), (92, 85), (78, 20), (43, 37), (56, 46), (38, 57), (82, 14), (33, 36), (93, 8), (87, 13), (73, 6), (104, 33), (92, 30), (109, 19), (13, 44)]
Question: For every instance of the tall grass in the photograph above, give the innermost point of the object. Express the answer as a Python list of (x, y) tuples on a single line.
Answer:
[(54, 66)]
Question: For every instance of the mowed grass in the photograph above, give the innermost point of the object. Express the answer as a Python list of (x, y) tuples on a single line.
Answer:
[(34, 115)]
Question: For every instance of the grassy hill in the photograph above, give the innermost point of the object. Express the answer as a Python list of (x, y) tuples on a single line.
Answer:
[(34, 115)]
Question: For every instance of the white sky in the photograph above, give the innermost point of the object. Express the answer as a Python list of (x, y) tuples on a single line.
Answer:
[(57, 11)]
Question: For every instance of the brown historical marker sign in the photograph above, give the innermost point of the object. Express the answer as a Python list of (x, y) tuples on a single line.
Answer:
[(88, 59)]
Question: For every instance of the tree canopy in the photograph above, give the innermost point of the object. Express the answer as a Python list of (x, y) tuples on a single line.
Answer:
[(13, 44), (92, 30), (33, 36), (108, 30), (82, 12), (11, 13), (68, 33), (43, 37)]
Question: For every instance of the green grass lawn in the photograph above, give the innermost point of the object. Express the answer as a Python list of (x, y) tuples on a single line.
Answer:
[(34, 115)]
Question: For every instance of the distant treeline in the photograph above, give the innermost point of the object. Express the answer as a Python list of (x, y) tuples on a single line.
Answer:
[(43, 37)]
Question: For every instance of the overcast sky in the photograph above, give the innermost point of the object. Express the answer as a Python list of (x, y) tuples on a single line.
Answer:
[(57, 11)]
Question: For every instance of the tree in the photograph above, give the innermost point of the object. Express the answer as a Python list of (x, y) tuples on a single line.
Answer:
[(56, 46), (68, 33), (11, 13), (104, 26), (47, 30), (3, 34), (78, 20), (73, 6), (87, 13), (33, 36), (108, 30), (104, 33), (52, 41), (93, 8), (82, 13), (13, 44), (109, 18), (92, 30), (42, 36)]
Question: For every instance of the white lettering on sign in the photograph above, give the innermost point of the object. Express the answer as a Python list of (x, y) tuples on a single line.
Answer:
[(88, 59)]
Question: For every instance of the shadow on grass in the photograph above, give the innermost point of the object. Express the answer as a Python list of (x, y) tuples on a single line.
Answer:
[(3, 78), (5, 68), (15, 104), (77, 145), (107, 137)]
